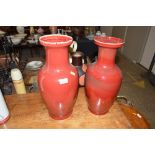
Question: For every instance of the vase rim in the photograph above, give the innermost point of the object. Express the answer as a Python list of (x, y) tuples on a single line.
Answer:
[(108, 41), (55, 40)]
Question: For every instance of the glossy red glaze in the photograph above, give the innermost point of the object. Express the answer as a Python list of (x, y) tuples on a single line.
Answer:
[(58, 79), (103, 78), (5, 120)]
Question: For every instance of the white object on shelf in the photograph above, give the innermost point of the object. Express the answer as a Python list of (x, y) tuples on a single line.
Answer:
[(16, 74), (103, 34), (2, 32), (98, 33), (74, 46), (16, 41), (59, 31), (31, 41), (18, 81), (21, 35), (36, 37), (90, 37), (4, 112), (20, 29), (10, 37)]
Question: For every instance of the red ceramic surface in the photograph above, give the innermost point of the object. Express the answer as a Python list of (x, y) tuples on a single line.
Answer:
[(5, 120), (103, 78), (58, 79)]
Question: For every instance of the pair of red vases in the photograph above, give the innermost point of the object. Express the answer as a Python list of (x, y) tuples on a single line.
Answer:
[(58, 79)]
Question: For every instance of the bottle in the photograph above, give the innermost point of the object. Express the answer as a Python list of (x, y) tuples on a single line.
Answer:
[(18, 81), (77, 62), (4, 112), (59, 31), (32, 30)]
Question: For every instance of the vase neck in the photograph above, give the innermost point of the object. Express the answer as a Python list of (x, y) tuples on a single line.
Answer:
[(57, 57), (106, 56)]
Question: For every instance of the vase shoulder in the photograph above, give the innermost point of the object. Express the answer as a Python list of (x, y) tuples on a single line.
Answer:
[(103, 73), (58, 76)]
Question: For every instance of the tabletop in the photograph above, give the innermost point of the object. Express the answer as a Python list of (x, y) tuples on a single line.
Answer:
[(29, 111)]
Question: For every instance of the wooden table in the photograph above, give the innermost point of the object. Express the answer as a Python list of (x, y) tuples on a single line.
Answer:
[(29, 111)]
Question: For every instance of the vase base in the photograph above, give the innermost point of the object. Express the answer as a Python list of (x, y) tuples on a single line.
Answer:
[(60, 117), (98, 113), (5, 120)]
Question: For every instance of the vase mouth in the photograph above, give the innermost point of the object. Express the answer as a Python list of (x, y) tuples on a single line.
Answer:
[(55, 40), (108, 41)]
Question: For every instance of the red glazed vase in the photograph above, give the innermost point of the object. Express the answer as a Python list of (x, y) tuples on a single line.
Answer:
[(103, 78), (58, 79)]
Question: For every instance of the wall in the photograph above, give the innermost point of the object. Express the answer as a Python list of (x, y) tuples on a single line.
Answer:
[(149, 50), (135, 40), (139, 43), (107, 30), (120, 32)]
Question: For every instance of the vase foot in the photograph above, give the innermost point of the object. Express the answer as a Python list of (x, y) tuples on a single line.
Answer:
[(60, 117), (5, 120), (98, 113)]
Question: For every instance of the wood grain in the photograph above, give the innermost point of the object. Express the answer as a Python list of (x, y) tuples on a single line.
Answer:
[(136, 119), (29, 111)]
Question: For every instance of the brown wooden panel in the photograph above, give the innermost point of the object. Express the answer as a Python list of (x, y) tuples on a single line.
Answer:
[(29, 111)]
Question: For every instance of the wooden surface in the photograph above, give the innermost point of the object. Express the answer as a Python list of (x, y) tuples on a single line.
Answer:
[(29, 111), (136, 119)]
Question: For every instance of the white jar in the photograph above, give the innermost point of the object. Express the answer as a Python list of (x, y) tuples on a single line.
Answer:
[(4, 112), (98, 33), (103, 34), (18, 81)]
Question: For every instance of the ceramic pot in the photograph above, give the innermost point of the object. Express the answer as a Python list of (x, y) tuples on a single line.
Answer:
[(58, 79), (103, 78), (77, 61)]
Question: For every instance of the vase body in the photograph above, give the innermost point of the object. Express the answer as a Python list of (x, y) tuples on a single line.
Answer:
[(103, 78), (58, 79)]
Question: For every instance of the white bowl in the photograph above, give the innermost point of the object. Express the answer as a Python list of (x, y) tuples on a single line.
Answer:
[(31, 41), (2, 32), (16, 41), (90, 37), (11, 36), (21, 35)]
